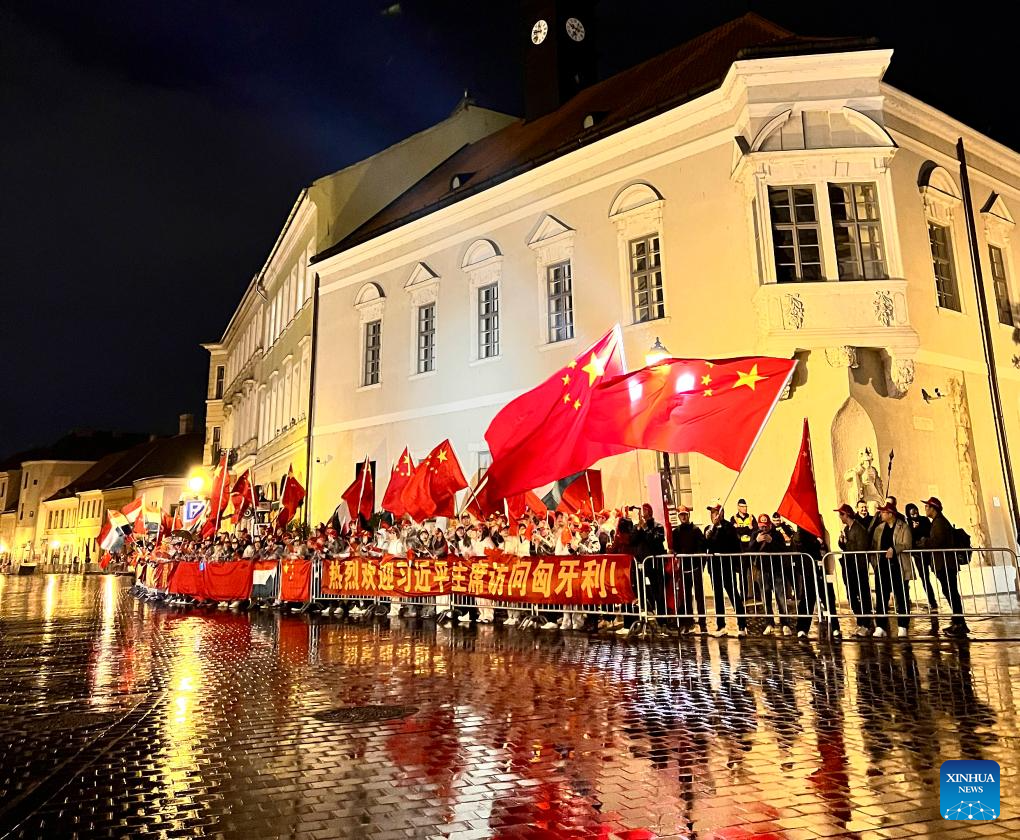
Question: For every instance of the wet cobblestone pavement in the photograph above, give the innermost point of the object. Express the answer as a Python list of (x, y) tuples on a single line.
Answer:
[(126, 719)]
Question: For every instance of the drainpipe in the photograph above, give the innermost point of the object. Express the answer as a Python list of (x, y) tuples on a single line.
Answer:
[(311, 403), (986, 340)]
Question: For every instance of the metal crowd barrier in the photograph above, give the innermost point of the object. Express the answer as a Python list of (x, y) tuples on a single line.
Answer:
[(937, 584)]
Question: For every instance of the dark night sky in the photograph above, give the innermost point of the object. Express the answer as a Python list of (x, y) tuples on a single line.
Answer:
[(149, 153)]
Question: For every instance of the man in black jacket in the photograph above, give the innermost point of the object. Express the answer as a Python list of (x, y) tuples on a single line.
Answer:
[(853, 539), (724, 547), (651, 537), (688, 572), (769, 546), (945, 564)]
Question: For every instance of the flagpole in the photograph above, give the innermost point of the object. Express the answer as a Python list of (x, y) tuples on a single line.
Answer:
[(481, 483), (761, 428), (361, 491), (591, 498)]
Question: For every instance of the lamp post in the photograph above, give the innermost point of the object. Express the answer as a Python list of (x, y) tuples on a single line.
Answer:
[(654, 355)]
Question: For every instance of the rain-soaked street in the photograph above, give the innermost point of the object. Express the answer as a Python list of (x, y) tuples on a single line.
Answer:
[(128, 719)]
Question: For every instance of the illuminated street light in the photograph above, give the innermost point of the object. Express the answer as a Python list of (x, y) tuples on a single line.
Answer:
[(55, 544), (656, 353), (196, 482)]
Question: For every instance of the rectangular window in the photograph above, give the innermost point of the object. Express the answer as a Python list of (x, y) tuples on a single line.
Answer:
[(373, 352), (947, 295), (560, 295), (427, 338), (488, 321), (857, 229), (220, 371), (1001, 284), (216, 442), (795, 236), (646, 279)]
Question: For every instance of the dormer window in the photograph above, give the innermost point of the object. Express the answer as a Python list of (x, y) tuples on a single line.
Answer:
[(459, 180), (592, 119)]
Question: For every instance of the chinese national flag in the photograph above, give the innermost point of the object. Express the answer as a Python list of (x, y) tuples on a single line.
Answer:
[(218, 496), (360, 496), (583, 495), (292, 496), (717, 408), (431, 488), (520, 505), (398, 480), (543, 434), (242, 496), (800, 504)]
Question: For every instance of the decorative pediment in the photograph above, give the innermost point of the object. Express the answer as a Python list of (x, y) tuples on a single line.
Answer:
[(637, 196), (939, 191), (421, 275), (423, 285), (801, 129), (998, 220), (370, 302), (548, 228), (480, 252)]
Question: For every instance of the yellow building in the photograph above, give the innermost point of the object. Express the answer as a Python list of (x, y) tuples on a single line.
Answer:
[(741, 194), (259, 371)]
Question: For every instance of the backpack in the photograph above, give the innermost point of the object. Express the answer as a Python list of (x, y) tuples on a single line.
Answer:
[(961, 540)]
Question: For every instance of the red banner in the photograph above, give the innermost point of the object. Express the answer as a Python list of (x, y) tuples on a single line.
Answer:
[(186, 579), (296, 582), (230, 581), (569, 581)]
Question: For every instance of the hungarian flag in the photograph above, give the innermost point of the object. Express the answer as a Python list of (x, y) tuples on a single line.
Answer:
[(717, 408), (583, 495), (543, 434), (360, 496), (132, 511), (398, 480), (111, 535), (242, 496), (218, 496), (432, 486), (800, 504), (291, 497)]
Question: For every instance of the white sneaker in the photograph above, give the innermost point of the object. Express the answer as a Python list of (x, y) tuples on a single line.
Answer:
[(880, 633), (741, 633), (485, 621), (787, 631), (510, 621), (837, 634), (464, 619), (720, 633), (394, 611), (357, 612), (622, 631), (579, 621), (901, 633), (801, 634), (550, 625), (769, 630), (861, 632)]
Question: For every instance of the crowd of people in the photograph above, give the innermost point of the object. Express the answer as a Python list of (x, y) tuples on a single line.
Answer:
[(761, 565)]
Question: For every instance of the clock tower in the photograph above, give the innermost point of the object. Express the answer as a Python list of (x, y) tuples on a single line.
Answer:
[(558, 40)]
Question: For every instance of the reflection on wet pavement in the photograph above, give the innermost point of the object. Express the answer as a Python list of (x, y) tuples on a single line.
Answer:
[(124, 719)]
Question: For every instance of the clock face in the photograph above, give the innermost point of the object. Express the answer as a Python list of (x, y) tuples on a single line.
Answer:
[(575, 29), (539, 31)]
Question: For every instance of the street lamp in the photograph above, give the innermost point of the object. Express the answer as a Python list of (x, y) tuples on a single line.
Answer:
[(196, 483), (656, 353)]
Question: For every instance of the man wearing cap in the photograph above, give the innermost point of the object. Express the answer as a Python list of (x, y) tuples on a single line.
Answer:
[(775, 573), (746, 527), (945, 563), (891, 539), (687, 572), (723, 545), (853, 538)]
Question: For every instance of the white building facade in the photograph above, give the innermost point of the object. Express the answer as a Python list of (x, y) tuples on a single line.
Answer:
[(802, 208)]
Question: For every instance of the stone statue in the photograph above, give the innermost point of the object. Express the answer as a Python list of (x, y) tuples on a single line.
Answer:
[(866, 481)]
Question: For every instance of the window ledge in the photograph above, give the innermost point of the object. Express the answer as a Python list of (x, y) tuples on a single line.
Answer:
[(945, 310), (552, 345), (485, 361), (374, 387), (666, 320), (426, 375)]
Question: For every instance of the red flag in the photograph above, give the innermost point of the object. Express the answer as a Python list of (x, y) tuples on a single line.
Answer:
[(692, 405), (542, 435), (218, 496), (800, 504), (104, 561), (360, 496), (292, 496), (178, 523), (166, 525), (583, 495), (520, 504), (242, 496), (398, 480), (431, 488)]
